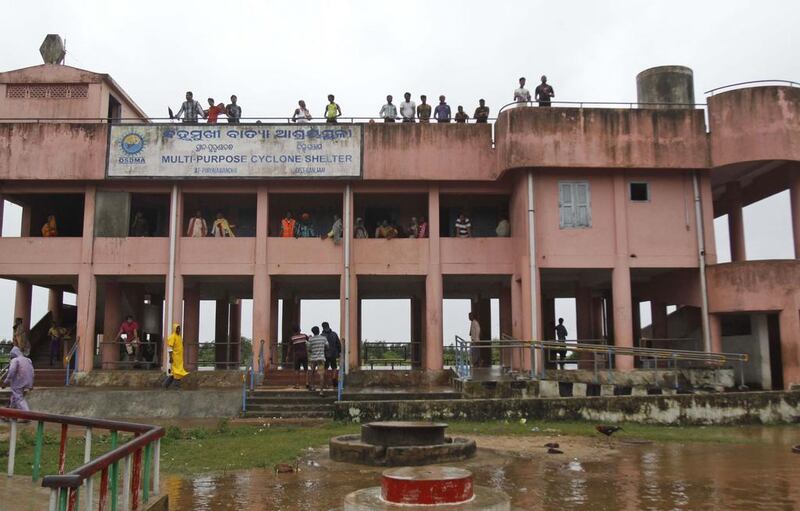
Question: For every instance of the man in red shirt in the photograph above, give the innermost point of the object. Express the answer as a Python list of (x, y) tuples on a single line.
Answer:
[(213, 111), (130, 329)]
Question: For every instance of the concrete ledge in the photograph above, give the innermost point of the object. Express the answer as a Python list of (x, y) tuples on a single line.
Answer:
[(122, 404), (695, 377), (160, 503), (732, 408), (126, 379)]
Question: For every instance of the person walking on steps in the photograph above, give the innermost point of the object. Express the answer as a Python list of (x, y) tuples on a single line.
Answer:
[(316, 359)]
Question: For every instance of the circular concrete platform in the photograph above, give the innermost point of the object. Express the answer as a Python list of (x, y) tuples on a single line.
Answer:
[(398, 433), (485, 499), (426, 485), (351, 449)]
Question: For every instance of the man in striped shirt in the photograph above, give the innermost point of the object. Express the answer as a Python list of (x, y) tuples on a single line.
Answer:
[(316, 358), (190, 109), (300, 355)]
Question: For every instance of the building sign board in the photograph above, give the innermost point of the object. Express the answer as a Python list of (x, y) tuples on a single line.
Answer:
[(231, 151)]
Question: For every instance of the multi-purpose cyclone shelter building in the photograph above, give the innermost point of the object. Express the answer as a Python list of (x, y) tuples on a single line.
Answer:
[(611, 206)]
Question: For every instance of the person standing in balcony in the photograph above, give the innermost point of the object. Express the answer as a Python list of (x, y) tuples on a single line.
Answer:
[(19, 378), (301, 114), (423, 228), (461, 115), (359, 230), (336, 231), (305, 228), (140, 228), (175, 370), (442, 111), (424, 110), (212, 114), (544, 92), (388, 111), (407, 108), (299, 343), (222, 228), (190, 109), (503, 229), (233, 111), (332, 110), (482, 112), (413, 228), (49, 229), (316, 359), (288, 226), (463, 226), (198, 228), (521, 94)]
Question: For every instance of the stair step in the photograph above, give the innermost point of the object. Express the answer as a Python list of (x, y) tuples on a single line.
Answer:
[(289, 415), (291, 400), (288, 394), (270, 406), (399, 396)]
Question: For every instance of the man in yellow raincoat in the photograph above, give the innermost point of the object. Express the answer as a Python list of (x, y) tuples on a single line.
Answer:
[(175, 372)]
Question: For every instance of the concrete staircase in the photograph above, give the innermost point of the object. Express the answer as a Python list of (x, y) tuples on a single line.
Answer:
[(289, 404), (399, 395)]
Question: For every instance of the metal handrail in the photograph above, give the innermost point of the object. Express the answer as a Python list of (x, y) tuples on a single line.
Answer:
[(64, 487), (261, 362), (751, 82), (68, 358), (580, 104), (253, 120)]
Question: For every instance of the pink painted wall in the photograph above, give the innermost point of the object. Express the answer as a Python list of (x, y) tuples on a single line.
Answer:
[(758, 123), (402, 256), (753, 285), (601, 138), (130, 256), (304, 256), (35, 256), (445, 152), (52, 151)]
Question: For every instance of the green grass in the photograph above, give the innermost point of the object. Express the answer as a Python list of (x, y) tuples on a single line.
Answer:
[(234, 447)]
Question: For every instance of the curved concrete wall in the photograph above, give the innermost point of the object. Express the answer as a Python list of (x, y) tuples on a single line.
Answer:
[(758, 123), (601, 138)]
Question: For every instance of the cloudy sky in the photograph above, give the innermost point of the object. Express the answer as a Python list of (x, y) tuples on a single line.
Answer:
[(272, 53)]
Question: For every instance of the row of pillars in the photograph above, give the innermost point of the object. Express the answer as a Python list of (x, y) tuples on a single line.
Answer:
[(733, 196), (23, 301)]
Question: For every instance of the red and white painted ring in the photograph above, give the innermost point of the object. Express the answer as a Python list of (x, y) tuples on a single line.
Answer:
[(427, 485)]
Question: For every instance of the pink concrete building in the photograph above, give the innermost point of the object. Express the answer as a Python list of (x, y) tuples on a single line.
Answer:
[(610, 206)]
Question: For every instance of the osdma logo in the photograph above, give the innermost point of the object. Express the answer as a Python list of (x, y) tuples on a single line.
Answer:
[(131, 144)]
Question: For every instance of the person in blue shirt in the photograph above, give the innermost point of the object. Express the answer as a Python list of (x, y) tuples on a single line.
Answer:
[(442, 111)]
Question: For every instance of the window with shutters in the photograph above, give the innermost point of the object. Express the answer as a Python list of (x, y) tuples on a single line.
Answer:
[(574, 204)]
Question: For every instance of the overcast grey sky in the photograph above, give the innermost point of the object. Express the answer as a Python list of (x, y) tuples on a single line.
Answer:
[(272, 53)]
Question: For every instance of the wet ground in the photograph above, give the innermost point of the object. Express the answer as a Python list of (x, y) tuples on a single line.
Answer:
[(592, 474)]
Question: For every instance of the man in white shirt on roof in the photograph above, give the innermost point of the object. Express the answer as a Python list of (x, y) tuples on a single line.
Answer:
[(408, 108), (522, 95), (388, 111)]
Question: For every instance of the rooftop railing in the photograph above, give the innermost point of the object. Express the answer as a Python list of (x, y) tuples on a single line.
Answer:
[(749, 84), (141, 457)]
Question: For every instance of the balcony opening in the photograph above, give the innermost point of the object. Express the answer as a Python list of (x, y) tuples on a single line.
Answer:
[(312, 215), (391, 215), (485, 216), (29, 215), (220, 215), (149, 215)]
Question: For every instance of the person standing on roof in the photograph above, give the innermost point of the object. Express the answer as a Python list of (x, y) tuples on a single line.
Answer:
[(301, 114), (388, 111), (19, 378), (521, 94), (190, 109), (544, 92), (233, 111), (442, 111), (482, 112), (407, 108), (175, 370), (332, 110), (424, 110)]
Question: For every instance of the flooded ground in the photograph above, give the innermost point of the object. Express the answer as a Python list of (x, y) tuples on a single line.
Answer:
[(593, 473)]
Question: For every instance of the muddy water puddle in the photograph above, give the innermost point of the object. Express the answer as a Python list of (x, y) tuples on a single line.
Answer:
[(590, 475)]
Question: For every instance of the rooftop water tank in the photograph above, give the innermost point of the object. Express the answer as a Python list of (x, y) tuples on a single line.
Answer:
[(665, 87)]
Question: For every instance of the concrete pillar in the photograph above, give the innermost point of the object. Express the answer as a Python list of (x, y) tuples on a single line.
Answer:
[(25, 225), (2, 209), (272, 339), (290, 318), (22, 303), (789, 319), (482, 308), (715, 329), (262, 288), (623, 315), (221, 334), (597, 318), (55, 301), (87, 287), (434, 289), (794, 199), (417, 330), (637, 322), (735, 222), (548, 318), (235, 320), (658, 313), (191, 328), (354, 342), (177, 316), (584, 309), (112, 318)]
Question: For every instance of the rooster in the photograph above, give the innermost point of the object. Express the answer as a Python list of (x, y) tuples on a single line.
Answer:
[(607, 430)]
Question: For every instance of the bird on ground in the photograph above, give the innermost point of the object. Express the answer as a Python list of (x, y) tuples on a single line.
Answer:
[(285, 468), (553, 450), (607, 430), (551, 445)]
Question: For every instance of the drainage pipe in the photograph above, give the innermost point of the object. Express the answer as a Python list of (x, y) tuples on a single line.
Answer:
[(701, 259), (532, 270), (173, 234), (346, 232)]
